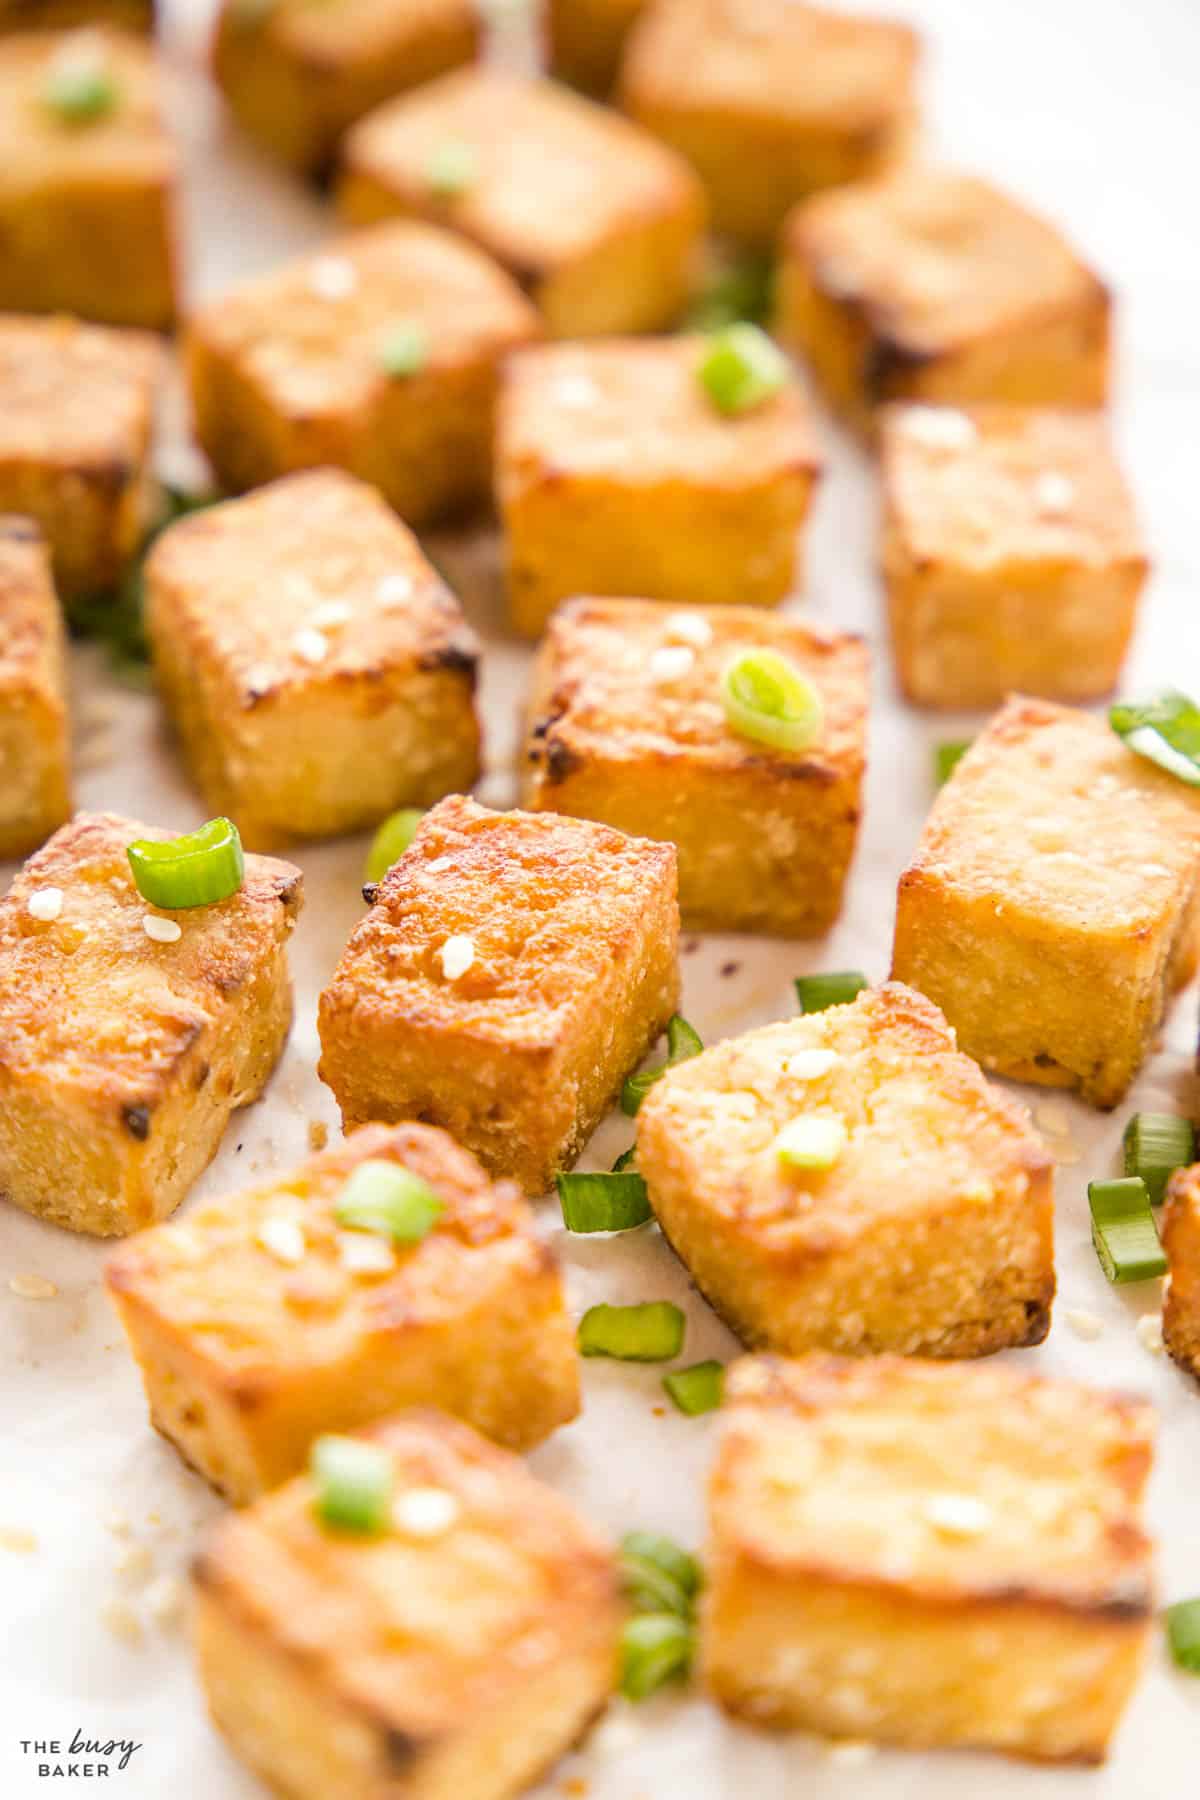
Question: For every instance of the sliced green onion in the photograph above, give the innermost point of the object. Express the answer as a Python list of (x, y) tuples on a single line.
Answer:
[(683, 1042), (79, 88), (813, 1141), (405, 349), (388, 1199), (391, 841), (451, 168), (1165, 731), (1123, 1230), (658, 1575), (741, 367), (696, 1390), (354, 1483), (946, 758), (652, 1332), (1183, 1634), (196, 870), (769, 700), (817, 992), (1156, 1144), (655, 1648), (739, 292), (600, 1202), (626, 1160)]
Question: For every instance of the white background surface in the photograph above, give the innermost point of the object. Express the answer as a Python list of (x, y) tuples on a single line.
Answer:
[(1088, 108)]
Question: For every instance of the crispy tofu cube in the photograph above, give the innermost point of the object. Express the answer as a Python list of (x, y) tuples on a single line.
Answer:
[(770, 100), (930, 1233), (1053, 904), (297, 76), (585, 41), (86, 205), (598, 221), (1181, 1241), (74, 441), (319, 670), (1010, 553), (625, 725), (513, 968), (616, 475), (35, 781), (931, 285), (259, 1323), (293, 370), (459, 1654), (927, 1555), (122, 1058)]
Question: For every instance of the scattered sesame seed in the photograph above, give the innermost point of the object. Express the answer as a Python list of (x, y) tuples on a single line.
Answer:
[(1084, 1324), (689, 628), (939, 428), (958, 1515), (45, 904), (457, 953), (283, 1239), (162, 931), (670, 662), (365, 1253), (849, 1753), (32, 1287), (425, 1511), (576, 390), (18, 1540), (122, 1621), (1052, 492), (312, 646), (810, 1065), (1150, 1333), (165, 1599), (332, 277), (615, 1734), (393, 589), (332, 614), (1053, 1118)]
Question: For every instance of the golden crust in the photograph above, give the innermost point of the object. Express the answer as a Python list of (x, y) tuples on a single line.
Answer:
[(56, 15), (585, 39), (764, 836), (34, 738), (1181, 1241), (932, 1233)]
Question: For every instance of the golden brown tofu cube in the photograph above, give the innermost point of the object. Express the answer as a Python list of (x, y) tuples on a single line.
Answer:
[(258, 1322), (1181, 1241), (770, 100), (458, 1654), (53, 15), (929, 1229), (926, 1555), (297, 369), (75, 426), (1053, 904), (318, 669), (35, 781), (89, 179), (1010, 553), (931, 285), (513, 968), (585, 40), (598, 221), (297, 76), (625, 725), (122, 1057), (616, 474)]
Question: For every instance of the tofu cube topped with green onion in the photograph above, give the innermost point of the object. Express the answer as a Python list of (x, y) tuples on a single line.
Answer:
[(847, 1180)]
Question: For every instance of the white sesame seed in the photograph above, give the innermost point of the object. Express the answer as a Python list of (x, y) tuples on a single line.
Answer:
[(670, 662), (1085, 1325), (310, 645), (165, 1599), (438, 864), (332, 277), (1052, 492), (365, 1253), (393, 589), (958, 1515), (332, 614), (162, 931), (616, 1734), (939, 428), (689, 628), (576, 390), (45, 904), (810, 1065), (283, 1239), (1053, 1118), (457, 953), (32, 1287), (425, 1512), (1150, 1333), (849, 1753)]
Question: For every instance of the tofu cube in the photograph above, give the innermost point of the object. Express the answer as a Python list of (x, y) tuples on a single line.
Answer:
[(932, 285), (296, 369), (1053, 904), (617, 475), (74, 441), (513, 969), (259, 1323), (625, 724), (931, 1232), (122, 1057), (585, 40), (88, 196), (319, 671), (35, 780), (926, 1555), (1181, 1241), (1010, 553), (297, 76), (595, 219), (47, 15), (459, 1653), (770, 100)]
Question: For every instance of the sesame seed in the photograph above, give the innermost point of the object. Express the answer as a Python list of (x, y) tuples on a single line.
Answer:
[(689, 628), (576, 390), (365, 1253), (45, 904), (1052, 492), (939, 428), (1084, 1324), (332, 614), (958, 1515), (425, 1512), (332, 278), (457, 953), (671, 662), (31, 1287), (310, 645), (283, 1239), (393, 589), (616, 1733), (1150, 1333), (162, 931), (810, 1065), (438, 864), (849, 1753)]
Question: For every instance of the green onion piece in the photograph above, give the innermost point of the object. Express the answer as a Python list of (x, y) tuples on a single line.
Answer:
[(655, 1648), (741, 367), (649, 1333), (388, 1199), (1166, 731), (196, 870), (683, 1042), (658, 1575), (626, 1160), (769, 700), (600, 1202), (79, 89), (817, 992), (391, 841), (354, 1483), (405, 349), (1183, 1634), (946, 758), (698, 1389), (813, 1141), (1156, 1144), (451, 168), (741, 291), (1123, 1230)]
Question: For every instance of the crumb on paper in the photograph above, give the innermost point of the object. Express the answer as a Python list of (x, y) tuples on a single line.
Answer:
[(135, 1563), (1150, 1333), (849, 1753), (32, 1287), (122, 1621), (1084, 1324)]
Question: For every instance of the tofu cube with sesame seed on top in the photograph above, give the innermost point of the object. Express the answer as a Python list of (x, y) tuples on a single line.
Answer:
[(260, 1320), (377, 354), (34, 735), (1053, 904), (459, 1648), (925, 1555), (123, 1053), (625, 724), (511, 972), (848, 1181), (1181, 1241), (617, 475), (319, 671)]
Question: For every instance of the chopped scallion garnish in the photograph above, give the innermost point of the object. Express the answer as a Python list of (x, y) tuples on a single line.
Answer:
[(770, 701), (199, 869), (741, 367), (696, 1390), (405, 349), (354, 1483), (946, 758), (600, 1202), (740, 292), (813, 1141), (1183, 1634), (626, 1160), (658, 1575), (817, 992), (1156, 1144), (391, 841), (79, 87), (683, 1042), (1123, 1230), (655, 1648), (652, 1332), (451, 168), (384, 1197), (1166, 731)]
